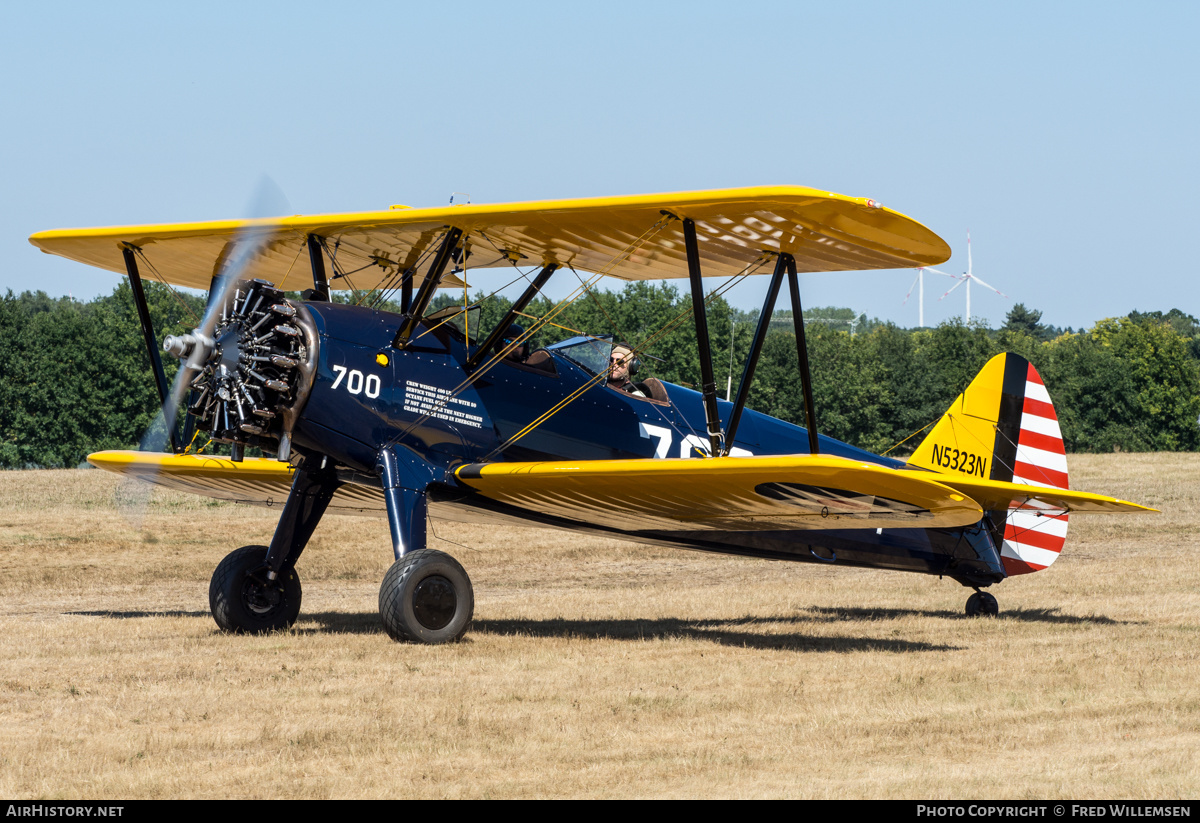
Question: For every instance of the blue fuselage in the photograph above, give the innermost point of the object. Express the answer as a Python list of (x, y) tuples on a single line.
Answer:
[(368, 394)]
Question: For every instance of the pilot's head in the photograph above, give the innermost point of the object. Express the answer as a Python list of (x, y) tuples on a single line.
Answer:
[(518, 352), (624, 363)]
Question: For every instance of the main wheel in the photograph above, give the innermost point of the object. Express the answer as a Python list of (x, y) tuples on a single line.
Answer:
[(426, 597), (243, 600), (982, 604)]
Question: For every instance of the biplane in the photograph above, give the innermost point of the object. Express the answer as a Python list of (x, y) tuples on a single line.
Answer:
[(420, 414)]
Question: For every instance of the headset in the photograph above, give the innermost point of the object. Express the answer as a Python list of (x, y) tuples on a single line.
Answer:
[(514, 333)]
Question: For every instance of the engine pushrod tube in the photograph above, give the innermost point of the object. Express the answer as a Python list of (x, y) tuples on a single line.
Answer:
[(421, 302), (700, 314), (760, 335), (502, 327), (143, 310)]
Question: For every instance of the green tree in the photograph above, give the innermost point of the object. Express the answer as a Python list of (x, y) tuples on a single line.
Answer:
[(951, 355), (1165, 379), (1185, 325), (904, 379), (1125, 385), (77, 376), (1021, 319), (1094, 396)]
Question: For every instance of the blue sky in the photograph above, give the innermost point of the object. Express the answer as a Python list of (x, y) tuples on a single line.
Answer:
[(1063, 136)]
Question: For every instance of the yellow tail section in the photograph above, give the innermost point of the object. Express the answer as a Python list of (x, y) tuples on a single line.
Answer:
[(1004, 428), (964, 440)]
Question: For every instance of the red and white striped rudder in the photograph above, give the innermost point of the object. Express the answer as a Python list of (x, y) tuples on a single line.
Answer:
[(1035, 533)]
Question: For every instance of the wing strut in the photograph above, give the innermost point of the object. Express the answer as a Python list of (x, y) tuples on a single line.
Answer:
[(810, 413), (417, 310), (406, 291), (712, 416), (316, 256), (502, 327), (760, 334), (143, 310)]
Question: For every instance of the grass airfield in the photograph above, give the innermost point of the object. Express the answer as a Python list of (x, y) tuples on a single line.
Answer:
[(594, 668)]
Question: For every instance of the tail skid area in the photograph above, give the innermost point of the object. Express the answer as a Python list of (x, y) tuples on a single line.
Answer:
[(1003, 427)]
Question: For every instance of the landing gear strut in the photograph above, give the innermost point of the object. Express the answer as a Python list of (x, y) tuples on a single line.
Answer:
[(982, 604), (256, 589)]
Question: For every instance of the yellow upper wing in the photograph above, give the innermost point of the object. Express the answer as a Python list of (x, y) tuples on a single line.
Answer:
[(822, 230)]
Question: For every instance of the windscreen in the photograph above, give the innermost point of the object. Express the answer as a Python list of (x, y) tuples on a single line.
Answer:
[(590, 353)]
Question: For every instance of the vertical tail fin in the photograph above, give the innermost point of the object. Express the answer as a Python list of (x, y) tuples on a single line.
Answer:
[(1004, 427)]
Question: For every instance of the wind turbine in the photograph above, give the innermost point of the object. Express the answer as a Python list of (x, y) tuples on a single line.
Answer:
[(967, 278), (920, 279)]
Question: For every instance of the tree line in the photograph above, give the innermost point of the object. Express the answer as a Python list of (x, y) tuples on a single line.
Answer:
[(75, 377)]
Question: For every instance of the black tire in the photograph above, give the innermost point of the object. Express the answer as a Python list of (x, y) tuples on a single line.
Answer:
[(982, 604), (426, 597), (240, 602)]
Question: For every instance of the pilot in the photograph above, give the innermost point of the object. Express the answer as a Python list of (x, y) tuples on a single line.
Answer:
[(518, 353), (624, 364)]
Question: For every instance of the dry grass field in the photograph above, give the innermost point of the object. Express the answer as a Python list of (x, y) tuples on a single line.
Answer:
[(594, 668)]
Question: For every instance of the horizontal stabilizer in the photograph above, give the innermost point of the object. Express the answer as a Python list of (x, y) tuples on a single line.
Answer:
[(994, 495)]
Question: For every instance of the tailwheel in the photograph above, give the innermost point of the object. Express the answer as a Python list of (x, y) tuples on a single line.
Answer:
[(243, 599), (426, 597), (982, 604)]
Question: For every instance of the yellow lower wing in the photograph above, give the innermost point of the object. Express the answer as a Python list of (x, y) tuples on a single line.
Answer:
[(726, 493), (253, 481)]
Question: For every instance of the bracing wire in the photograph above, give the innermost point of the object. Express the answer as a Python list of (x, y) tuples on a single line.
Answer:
[(554, 312), (641, 349), (174, 293)]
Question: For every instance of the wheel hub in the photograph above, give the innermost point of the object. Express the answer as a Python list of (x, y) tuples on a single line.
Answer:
[(434, 602), (260, 599)]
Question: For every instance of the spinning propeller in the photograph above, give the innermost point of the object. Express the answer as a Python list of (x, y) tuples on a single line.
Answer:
[(234, 346)]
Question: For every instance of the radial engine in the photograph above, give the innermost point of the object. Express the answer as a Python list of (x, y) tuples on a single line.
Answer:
[(258, 371)]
